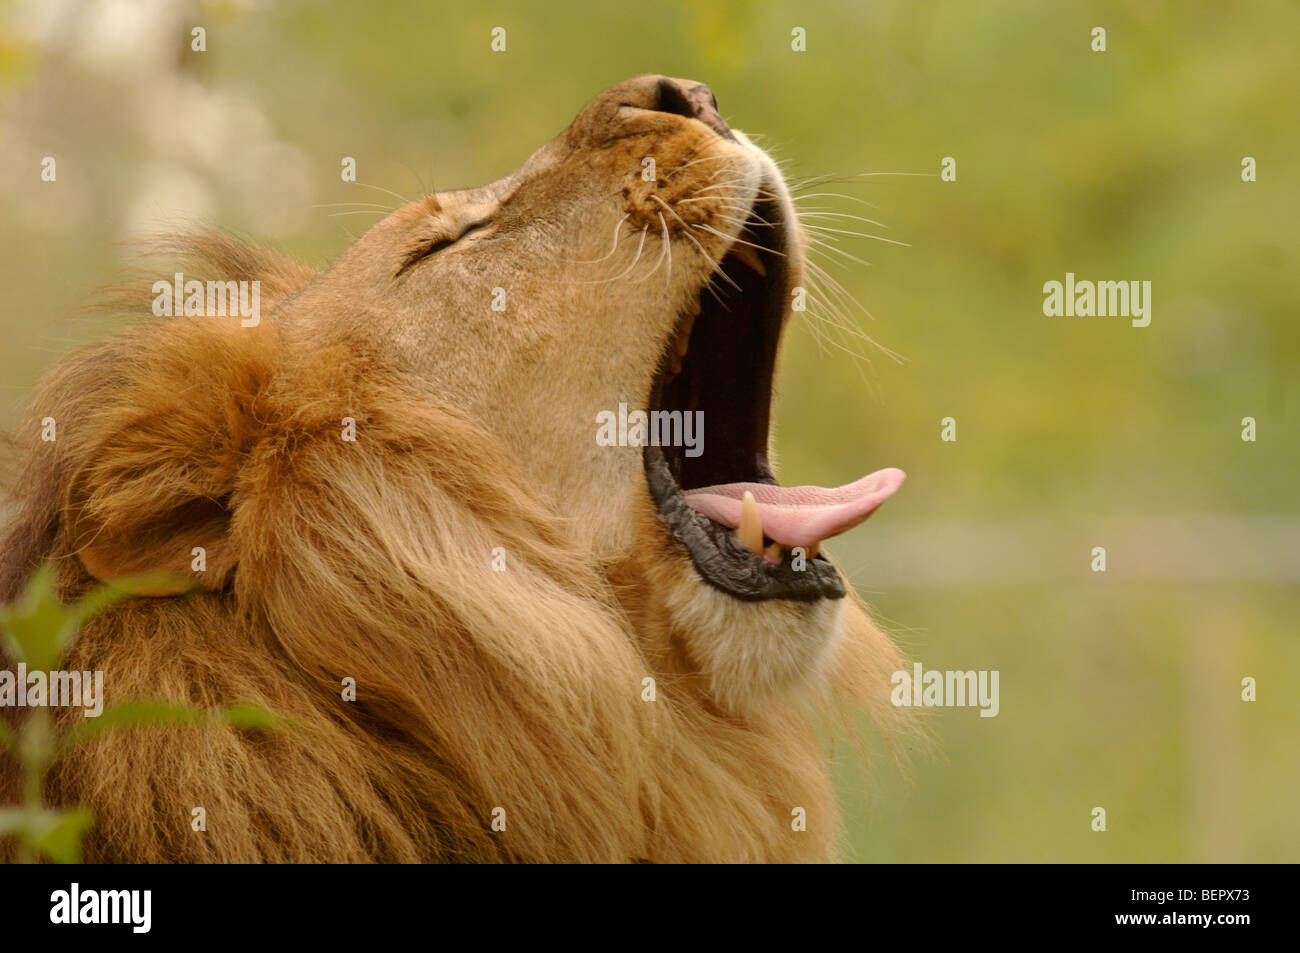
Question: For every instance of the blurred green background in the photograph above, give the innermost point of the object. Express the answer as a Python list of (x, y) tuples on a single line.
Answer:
[(1119, 690)]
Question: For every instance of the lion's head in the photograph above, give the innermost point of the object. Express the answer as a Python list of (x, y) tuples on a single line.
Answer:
[(526, 526), (647, 257)]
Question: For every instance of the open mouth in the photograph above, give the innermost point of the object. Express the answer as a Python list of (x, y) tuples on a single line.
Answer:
[(746, 534)]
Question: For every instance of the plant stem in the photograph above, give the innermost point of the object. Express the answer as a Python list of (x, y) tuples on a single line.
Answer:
[(35, 751)]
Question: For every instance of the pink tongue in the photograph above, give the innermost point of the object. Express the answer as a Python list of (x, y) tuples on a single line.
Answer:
[(799, 515)]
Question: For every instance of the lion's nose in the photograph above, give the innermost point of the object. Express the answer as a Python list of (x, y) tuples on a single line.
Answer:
[(685, 98)]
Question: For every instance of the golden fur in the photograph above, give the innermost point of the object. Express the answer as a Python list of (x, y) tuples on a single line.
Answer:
[(476, 689)]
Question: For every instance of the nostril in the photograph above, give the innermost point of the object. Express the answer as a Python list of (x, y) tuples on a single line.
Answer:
[(671, 98), (686, 99)]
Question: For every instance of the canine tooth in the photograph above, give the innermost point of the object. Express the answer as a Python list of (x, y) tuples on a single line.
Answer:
[(749, 255), (751, 524), (688, 325), (681, 344), (813, 550)]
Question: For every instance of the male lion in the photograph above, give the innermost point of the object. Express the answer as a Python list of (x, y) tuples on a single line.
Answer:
[(562, 650)]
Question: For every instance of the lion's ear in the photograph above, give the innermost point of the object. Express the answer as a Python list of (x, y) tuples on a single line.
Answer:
[(154, 457), (160, 553)]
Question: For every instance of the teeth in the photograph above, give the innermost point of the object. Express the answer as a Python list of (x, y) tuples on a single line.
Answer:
[(750, 532), (682, 344), (751, 524), (688, 325), (749, 255)]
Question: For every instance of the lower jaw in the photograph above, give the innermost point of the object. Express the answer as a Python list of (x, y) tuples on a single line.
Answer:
[(724, 562)]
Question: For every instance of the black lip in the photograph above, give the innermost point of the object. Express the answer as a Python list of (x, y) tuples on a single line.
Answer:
[(728, 374), (723, 561)]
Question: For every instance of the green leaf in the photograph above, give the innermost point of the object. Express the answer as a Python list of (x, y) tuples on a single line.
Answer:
[(131, 714), (41, 629), (36, 623), (61, 841), (111, 593), (36, 743), (149, 712), (13, 820), (247, 716), (127, 587), (56, 834)]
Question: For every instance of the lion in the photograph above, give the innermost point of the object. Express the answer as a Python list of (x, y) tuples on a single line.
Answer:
[(562, 649)]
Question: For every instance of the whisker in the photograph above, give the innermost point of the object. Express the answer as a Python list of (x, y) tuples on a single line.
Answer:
[(797, 198), (379, 188), (593, 261), (826, 278), (820, 213), (849, 327), (720, 185), (840, 301), (626, 271), (686, 230), (737, 241), (386, 208), (753, 217), (839, 251), (846, 333), (668, 243), (841, 231), (687, 165), (658, 261), (869, 175)]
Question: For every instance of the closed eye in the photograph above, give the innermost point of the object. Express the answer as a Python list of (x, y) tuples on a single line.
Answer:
[(425, 249)]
